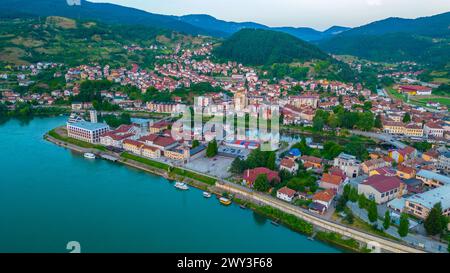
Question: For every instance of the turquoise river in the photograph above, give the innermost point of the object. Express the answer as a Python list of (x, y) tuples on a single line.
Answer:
[(50, 196)]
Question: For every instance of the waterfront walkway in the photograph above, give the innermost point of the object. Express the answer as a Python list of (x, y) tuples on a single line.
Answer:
[(385, 244), (264, 199)]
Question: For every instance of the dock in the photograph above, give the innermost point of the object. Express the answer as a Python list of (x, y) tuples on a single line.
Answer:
[(108, 157)]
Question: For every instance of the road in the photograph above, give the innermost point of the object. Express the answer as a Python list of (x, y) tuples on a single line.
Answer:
[(386, 245)]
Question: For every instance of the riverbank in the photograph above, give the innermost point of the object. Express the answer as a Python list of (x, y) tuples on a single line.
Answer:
[(325, 232)]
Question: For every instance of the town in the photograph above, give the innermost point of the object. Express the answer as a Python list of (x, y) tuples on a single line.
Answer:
[(347, 154)]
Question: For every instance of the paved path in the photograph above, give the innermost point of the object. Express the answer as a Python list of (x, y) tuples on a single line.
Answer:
[(385, 244)]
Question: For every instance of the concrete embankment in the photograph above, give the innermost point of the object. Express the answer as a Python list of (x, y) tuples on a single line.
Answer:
[(365, 238)]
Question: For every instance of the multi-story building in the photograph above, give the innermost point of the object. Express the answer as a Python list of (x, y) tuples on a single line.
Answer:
[(87, 131), (421, 204), (432, 179), (373, 164), (431, 129), (133, 146), (348, 164), (382, 188), (443, 162)]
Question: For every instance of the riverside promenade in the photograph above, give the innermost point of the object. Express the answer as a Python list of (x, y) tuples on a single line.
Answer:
[(384, 244)]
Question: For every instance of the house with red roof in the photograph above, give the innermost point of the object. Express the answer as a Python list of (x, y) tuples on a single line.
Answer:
[(401, 155), (382, 189), (330, 181), (322, 201), (161, 142), (288, 164), (286, 194), (115, 138), (250, 175)]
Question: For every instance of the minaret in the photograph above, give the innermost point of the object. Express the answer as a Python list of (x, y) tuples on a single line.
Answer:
[(93, 116)]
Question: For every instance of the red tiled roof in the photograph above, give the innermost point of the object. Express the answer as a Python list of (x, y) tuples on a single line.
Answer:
[(383, 183), (287, 162), (331, 179), (312, 159), (325, 196), (414, 88), (133, 142), (251, 175), (287, 191)]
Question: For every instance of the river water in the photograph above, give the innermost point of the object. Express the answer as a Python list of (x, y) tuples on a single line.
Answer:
[(50, 196)]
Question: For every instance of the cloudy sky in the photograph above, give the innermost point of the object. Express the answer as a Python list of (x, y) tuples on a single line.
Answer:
[(318, 14)]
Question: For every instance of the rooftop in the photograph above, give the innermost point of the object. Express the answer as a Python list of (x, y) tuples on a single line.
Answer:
[(90, 126), (434, 176), (429, 198)]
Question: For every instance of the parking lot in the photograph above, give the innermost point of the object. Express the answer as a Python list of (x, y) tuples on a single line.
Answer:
[(217, 166)]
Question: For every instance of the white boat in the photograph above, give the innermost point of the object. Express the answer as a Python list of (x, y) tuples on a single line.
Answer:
[(181, 186), (206, 194), (89, 155)]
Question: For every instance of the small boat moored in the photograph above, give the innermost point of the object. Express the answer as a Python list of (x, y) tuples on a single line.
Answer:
[(275, 223), (181, 186), (225, 201), (89, 155), (206, 194)]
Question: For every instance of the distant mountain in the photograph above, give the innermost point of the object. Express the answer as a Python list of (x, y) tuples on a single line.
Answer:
[(264, 47), (228, 28), (425, 40), (219, 26), (116, 14), (433, 26), (103, 12)]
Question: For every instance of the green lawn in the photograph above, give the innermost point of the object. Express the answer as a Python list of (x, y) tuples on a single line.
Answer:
[(394, 93), (146, 161), (423, 101), (202, 178)]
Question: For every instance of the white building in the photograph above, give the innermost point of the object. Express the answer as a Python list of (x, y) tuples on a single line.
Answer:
[(286, 194), (433, 130), (348, 164), (87, 131)]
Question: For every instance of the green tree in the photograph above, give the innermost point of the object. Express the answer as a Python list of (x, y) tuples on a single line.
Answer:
[(435, 223), (366, 121), (271, 161), (237, 166), (403, 227), (378, 123), (406, 118), (261, 183), (372, 212), (212, 149), (353, 196), (387, 220), (362, 201), (195, 143)]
